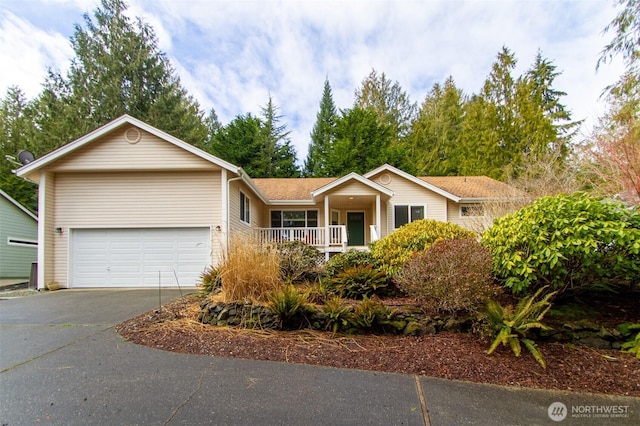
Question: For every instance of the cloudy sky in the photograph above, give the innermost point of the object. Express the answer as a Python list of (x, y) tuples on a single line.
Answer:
[(230, 55)]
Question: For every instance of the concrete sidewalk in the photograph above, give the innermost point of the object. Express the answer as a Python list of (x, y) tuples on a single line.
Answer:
[(61, 362)]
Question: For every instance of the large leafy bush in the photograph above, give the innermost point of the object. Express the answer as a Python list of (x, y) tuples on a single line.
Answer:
[(450, 276), (392, 251), (570, 242), (342, 261)]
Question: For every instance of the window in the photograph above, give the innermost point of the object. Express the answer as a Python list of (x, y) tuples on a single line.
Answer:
[(21, 242), (335, 217), (403, 214), (245, 208), (294, 218), (471, 210)]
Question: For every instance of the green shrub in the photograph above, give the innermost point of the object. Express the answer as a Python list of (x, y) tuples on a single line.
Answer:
[(337, 314), (358, 282), (392, 251), (298, 260), (512, 327), (370, 315), (290, 305), (572, 242), (210, 281), (341, 261), (450, 276)]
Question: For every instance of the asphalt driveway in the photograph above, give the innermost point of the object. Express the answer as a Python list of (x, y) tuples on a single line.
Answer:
[(62, 363)]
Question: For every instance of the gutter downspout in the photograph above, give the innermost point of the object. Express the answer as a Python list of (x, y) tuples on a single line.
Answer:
[(227, 211)]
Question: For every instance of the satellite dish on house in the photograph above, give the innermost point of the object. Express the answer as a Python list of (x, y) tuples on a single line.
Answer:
[(25, 157)]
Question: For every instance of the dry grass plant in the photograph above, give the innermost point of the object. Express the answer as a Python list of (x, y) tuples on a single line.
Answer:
[(250, 270)]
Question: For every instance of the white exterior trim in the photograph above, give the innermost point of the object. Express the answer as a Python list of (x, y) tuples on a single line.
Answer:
[(420, 182)]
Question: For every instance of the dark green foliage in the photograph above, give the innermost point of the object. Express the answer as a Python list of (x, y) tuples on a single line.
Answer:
[(358, 282), (290, 305), (298, 261), (362, 143), (342, 261), (322, 136), (512, 327), (118, 69), (574, 243), (450, 276)]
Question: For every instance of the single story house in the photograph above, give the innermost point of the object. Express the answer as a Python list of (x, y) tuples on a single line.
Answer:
[(18, 239), (128, 205)]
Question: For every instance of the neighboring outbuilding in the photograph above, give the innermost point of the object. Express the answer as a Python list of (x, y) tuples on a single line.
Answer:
[(18, 239), (130, 206)]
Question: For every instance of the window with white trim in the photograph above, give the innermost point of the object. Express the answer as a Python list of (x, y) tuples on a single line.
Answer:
[(245, 208), (294, 218), (21, 242), (403, 214), (472, 210)]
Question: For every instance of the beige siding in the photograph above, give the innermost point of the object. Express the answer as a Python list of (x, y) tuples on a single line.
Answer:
[(478, 223), (113, 152), (409, 193), (354, 188), (144, 199), (50, 273)]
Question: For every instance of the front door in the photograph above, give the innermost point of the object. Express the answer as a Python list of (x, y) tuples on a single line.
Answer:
[(355, 228)]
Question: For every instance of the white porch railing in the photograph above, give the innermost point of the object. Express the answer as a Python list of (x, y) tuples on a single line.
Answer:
[(335, 236), (373, 233)]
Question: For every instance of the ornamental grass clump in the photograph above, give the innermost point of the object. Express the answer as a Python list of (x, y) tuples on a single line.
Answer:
[(250, 271), (451, 276)]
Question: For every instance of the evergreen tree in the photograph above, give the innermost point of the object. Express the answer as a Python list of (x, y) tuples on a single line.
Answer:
[(391, 104), (362, 143), (322, 135), (241, 142), (117, 70), (15, 136), (435, 134), (277, 148)]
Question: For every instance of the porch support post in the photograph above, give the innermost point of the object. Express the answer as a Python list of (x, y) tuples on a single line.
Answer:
[(327, 235), (378, 217)]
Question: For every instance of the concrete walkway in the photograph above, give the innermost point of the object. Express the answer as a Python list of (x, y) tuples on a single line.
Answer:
[(62, 363)]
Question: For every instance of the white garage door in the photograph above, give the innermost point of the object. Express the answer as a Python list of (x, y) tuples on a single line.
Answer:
[(138, 257)]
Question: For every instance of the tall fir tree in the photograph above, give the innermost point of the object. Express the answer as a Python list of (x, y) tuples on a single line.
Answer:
[(117, 69), (435, 134), (241, 142), (16, 134), (322, 136), (277, 144), (390, 102), (362, 143)]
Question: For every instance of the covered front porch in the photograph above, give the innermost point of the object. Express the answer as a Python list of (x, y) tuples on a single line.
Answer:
[(330, 239), (346, 213)]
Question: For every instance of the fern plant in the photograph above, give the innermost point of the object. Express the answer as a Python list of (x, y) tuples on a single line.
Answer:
[(358, 282), (289, 305), (511, 326), (337, 314), (631, 346)]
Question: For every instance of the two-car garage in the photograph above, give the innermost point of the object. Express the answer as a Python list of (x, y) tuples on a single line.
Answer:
[(138, 257)]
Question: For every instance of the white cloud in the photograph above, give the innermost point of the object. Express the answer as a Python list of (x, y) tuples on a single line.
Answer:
[(231, 55), (27, 51)]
